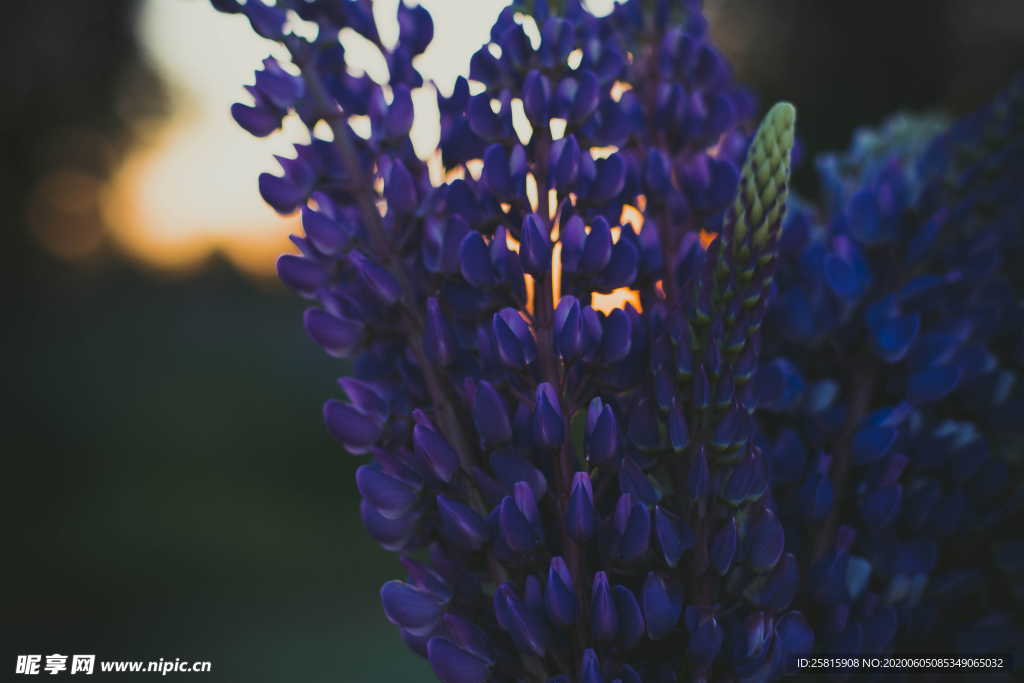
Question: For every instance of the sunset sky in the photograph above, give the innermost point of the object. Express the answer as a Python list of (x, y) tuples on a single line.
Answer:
[(190, 188)]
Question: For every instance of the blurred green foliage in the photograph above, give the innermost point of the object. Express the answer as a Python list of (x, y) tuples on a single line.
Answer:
[(173, 492)]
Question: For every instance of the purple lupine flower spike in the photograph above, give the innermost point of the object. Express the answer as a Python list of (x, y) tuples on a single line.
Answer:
[(798, 406)]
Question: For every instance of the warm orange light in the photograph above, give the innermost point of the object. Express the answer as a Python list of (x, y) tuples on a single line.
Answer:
[(532, 192), (619, 88), (706, 238), (531, 288), (659, 287), (603, 152), (556, 273), (511, 242), (617, 298), (475, 168), (166, 210), (631, 215)]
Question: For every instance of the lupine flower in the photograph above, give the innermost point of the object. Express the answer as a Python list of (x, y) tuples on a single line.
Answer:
[(783, 442)]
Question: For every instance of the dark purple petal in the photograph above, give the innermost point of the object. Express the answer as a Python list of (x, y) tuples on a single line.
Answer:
[(566, 158), (705, 640), (635, 538), (535, 251), (530, 632), (602, 433), (301, 274), (788, 457), (411, 608), (436, 452), (643, 429), (497, 174), (765, 540), (400, 190), (281, 193), (663, 605), (323, 232), (475, 261), (560, 597), (526, 501), (581, 518), (616, 337), (815, 496), (698, 476), (621, 271), (794, 634), (516, 530), (416, 28), (266, 21), (932, 384), (674, 537), (469, 636), (597, 250), (438, 340), (778, 588), (723, 547), (569, 338), (392, 534), (382, 283), (610, 179), (678, 431), (590, 668), (894, 337), (879, 507), (354, 429), (604, 616), (548, 425), (490, 416), (631, 618), (338, 336), (258, 120), (452, 664), (510, 468), (390, 496), (536, 95), (871, 443), (657, 175), (460, 525), (514, 340), (573, 238)]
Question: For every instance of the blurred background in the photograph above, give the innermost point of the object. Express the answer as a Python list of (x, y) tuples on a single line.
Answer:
[(170, 489)]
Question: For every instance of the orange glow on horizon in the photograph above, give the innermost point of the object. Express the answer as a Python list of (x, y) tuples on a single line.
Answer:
[(168, 212), (190, 188)]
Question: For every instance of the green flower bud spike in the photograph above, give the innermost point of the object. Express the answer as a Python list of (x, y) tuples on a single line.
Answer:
[(764, 183)]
